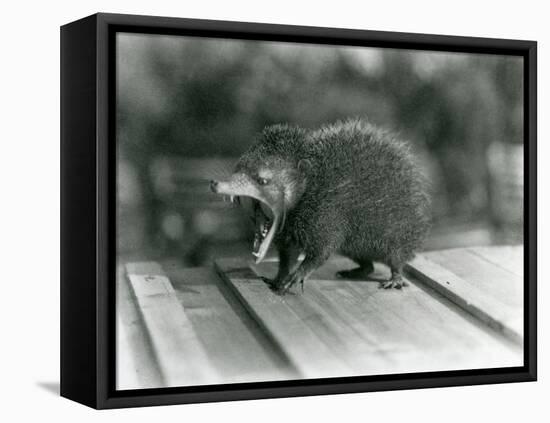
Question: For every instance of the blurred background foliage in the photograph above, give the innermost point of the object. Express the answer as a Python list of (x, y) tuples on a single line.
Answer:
[(188, 107)]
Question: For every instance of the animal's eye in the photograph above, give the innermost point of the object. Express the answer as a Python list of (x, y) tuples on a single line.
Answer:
[(263, 181)]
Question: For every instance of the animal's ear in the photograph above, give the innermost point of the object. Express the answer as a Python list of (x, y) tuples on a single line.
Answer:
[(304, 166)]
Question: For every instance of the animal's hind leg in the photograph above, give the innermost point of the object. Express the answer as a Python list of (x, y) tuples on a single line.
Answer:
[(362, 272), (396, 280)]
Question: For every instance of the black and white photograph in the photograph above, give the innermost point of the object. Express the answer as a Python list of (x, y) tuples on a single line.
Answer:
[(275, 212), (293, 211)]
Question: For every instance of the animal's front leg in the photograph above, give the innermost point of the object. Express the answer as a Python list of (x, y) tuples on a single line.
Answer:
[(288, 260), (304, 270), (318, 246)]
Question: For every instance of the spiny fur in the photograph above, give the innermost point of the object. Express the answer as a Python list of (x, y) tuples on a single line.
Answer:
[(364, 195)]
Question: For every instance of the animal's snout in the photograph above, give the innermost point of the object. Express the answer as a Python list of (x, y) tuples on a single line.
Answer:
[(214, 185)]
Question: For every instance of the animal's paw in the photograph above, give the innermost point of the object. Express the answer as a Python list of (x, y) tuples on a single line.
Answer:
[(396, 282), (282, 287), (273, 284)]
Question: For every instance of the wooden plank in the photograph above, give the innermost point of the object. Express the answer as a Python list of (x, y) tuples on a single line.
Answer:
[(127, 376), (371, 330), (377, 331), (508, 257), (423, 331), (335, 328), (353, 347), (136, 363), (483, 273), (236, 346), (410, 330), (305, 350), (468, 296), (179, 353), (328, 322)]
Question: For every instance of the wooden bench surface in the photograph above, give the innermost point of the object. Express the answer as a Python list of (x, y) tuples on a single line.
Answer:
[(179, 327)]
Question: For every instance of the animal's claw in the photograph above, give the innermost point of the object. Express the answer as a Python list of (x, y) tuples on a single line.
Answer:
[(395, 282), (284, 286)]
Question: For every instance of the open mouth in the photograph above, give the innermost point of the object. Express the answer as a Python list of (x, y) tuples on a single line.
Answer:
[(267, 215), (265, 220), (263, 223)]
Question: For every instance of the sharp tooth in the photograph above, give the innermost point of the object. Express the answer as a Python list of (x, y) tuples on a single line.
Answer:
[(232, 198)]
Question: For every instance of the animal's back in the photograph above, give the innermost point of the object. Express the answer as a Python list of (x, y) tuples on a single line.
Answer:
[(368, 176)]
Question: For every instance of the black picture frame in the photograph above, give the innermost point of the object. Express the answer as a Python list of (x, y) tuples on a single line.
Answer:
[(88, 200)]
